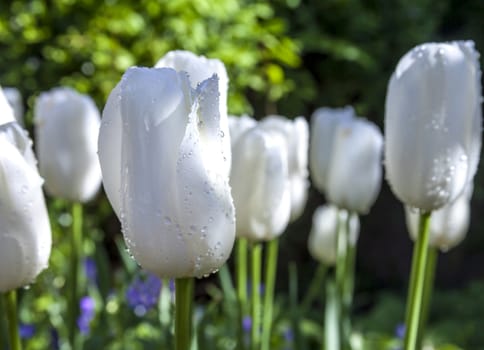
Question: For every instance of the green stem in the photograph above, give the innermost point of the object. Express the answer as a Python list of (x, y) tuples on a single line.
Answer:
[(12, 321), (340, 275), (348, 284), (428, 289), (256, 302), (75, 256), (183, 312), (314, 288), (271, 270), (331, 317), (417, 282), (241, 268)]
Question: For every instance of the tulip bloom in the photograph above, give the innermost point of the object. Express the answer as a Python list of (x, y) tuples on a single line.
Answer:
[(263, 199), (322, 242), (433, 124), (296, 133), (324, 122), (355, 170), (67, 127), (164, 161), (239, 125), (200, 68), (448, 225), (25, 235), (345, 158), (14, 98)]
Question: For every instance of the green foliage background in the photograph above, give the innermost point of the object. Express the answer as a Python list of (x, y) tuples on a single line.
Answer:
[(282, 56)]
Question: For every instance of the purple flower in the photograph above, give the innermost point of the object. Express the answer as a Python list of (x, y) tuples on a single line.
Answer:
[(90, 270), (87, 311), (288, 335), (400, 330), (247, 324), (143, 293), (26, 331), (54, 339)]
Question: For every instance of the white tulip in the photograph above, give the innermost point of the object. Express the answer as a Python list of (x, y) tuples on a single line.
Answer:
[(200, 68), (324, 122), (260, 184), (296, 134), (322, 241), (239, 125), (448, 225), (66, 128), (25, 235), (14, 98), (433, 124), (163, 157), (6, 111), (355, 169)]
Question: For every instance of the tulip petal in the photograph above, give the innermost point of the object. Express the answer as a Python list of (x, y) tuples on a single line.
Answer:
[(433, 124), (25, 236)]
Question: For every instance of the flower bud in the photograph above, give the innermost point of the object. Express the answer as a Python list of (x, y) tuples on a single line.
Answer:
[(355, 170), (448, 225), (14, 98), (163, 157), (324, 122), (296, 134), (322, 242), (25, 234), (433, 124), (263, 199), (239, 125), (66, 128), (6, 111), (200, 68)]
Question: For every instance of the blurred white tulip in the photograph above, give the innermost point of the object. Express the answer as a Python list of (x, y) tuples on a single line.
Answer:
[(14, 98), (239, 125), (66, 129), (164, 157), (25, 234), (296, 134), (448, 225), (324, 122), (260, 184), (345, 158), (322, 241), (355, 168), (433, 123), (200, 68), (6, 111)]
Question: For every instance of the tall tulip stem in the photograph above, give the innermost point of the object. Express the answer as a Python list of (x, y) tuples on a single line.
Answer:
[(349, 281), (12, 320), (241, 266), (270, 278), (331, 317), (417, 284), (428, 289), (183, 313), (256, 300), (75, 256), (341, 276)]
